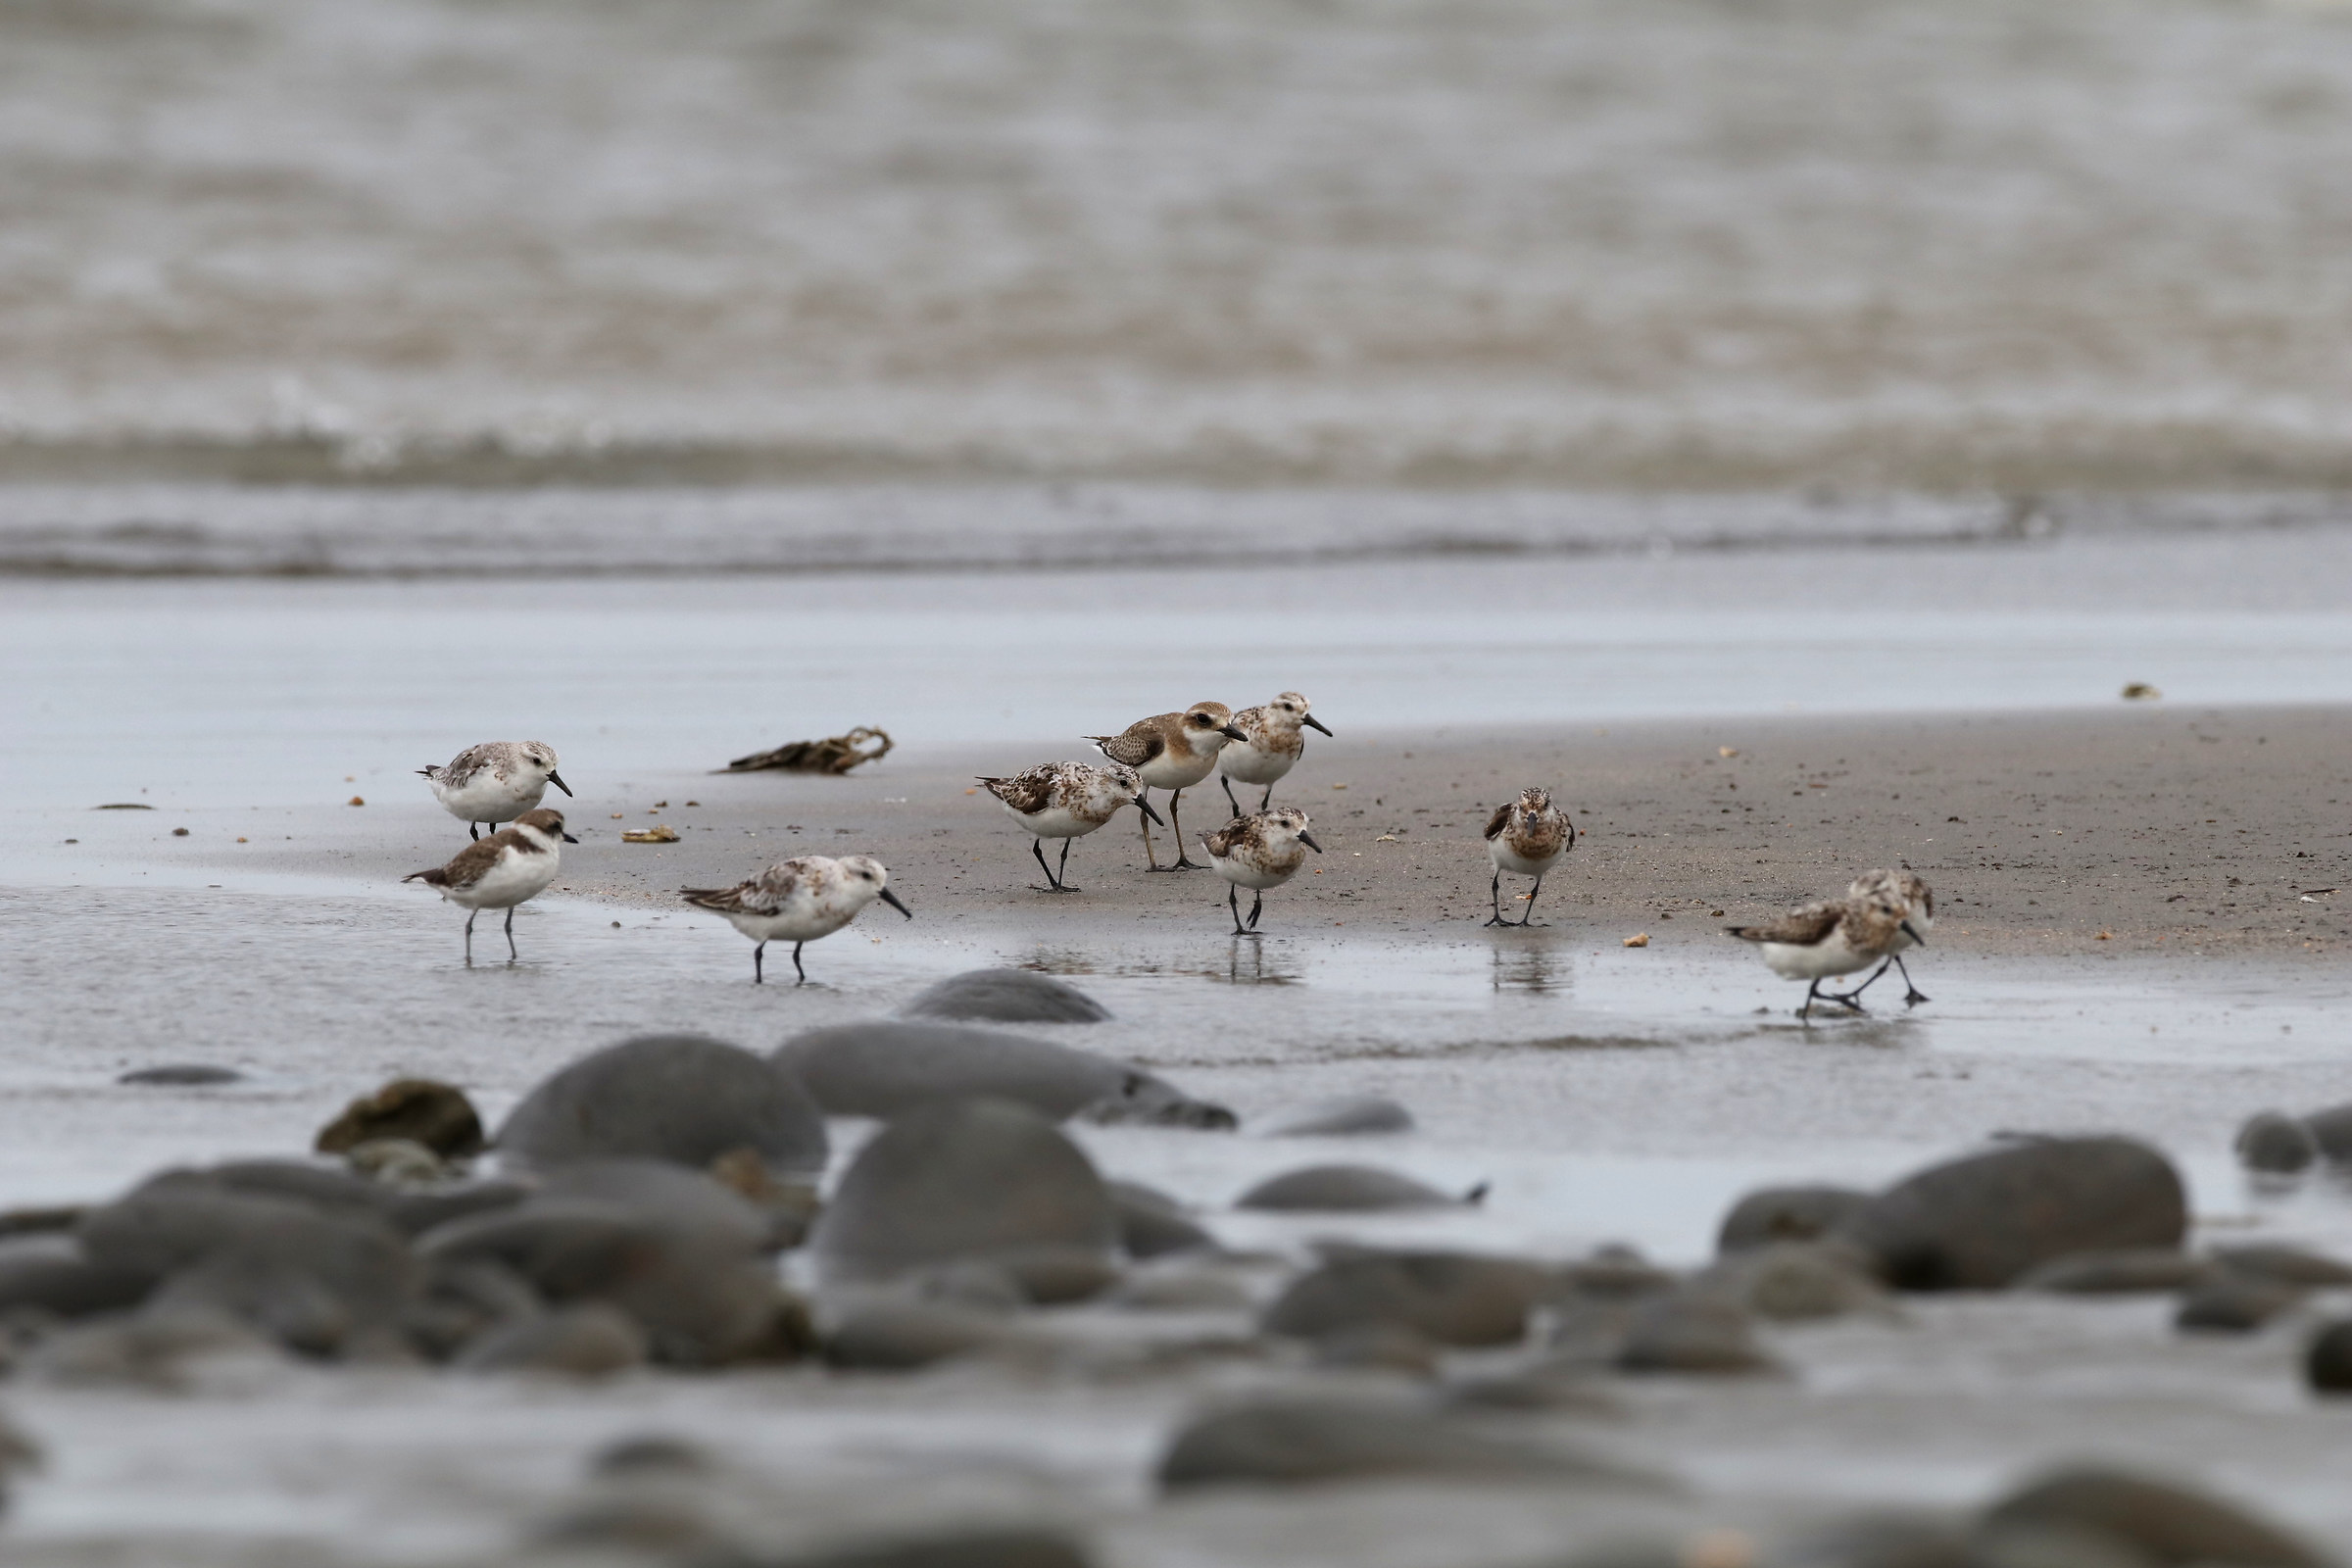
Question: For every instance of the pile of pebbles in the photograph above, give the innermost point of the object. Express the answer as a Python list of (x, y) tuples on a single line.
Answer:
[(647, 1204)]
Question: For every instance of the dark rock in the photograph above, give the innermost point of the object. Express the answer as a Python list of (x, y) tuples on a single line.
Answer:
[(1888, 1538), (1181, 1289), (680, 1098), (1791, 1282), (2124, 1272), (2168, 1522), (329, 1189), (1010, 1547), (2276, 1144), (681, 1202), (1450, 1298), (1347, 1117), (418, 1109), (465, 1298), (1617, 1273), (2044, 1545), (415, 1213), (1007, 996), (60, 1280), (1786, 1215), (654, 1454), (974, 1178), (168, 1227), (888, 1335), (1691, 1333), (2234, 1304), (2327, 1363), (1378, 1348), (46, 1220), (1567, 1386), (2332, 1130), (1151, 1223), (274, 1297), (968, 1285), (886, 1068), (1296, 1442), (1054, 1276), (1981, 1221), (181, 1075), (591, 1340), (1346, 1189), (2287, 1265)]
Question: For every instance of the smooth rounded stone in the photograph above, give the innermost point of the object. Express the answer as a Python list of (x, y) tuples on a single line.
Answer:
[(1350, 1116), (683, 1203), (2051, 1545), (181, 1075), (1346, 1188), (68, 1285), (1454, 1298), (886, 1334), (437, 1115), (2234, 1304), (591, 1340), (968, 1285), (463, 1300), (651, 1453), (1007, 996), (1617, 1273), (1377, 1348), (2288, 1265), (1151, 1223), (1793, 1282), (685, 1098), (154, 1352), (2167, 1520), (272, 1296), (166, 1227), (1566, 1387), (971, 1178), (396, 1163), (977, 1547), (1981, 1221), (887, 1068), (1786, 1215), (1688, 1333), (2276, 1144), (1057, 1276), (2332, 1130), (1181, 1289), (1880, 1538), (1299, 1442), (329, 1189), (415, 1213), (2328, 1362), (2126, 1271)]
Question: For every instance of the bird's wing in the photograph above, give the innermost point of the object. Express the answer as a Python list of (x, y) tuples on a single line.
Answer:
[(1499, 821), (1024, 792), (474, 861), (1221, 843), (1133, 746), (1801, 927)]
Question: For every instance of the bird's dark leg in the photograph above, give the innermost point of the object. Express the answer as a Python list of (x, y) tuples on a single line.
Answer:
[(1183, 862), (1061, 878), (759, 978), (1806, 1012), (1912, 995), (1037, 847), (795, 965), (1233, 901), (473, 831), (1257, 902), (512, 954), (1494, 893), (1267, 799), (1853, 998), (1531, 901), (1229, 800), (470, 937)]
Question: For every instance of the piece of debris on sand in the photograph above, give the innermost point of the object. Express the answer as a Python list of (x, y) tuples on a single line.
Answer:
[(836, 756)]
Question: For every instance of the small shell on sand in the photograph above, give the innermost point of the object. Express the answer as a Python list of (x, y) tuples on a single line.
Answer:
[(1641, 940), (650, 834)]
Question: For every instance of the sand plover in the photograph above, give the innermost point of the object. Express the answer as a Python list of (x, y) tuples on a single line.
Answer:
[(512, 867), (1273, 738), (1171, 752), (1834, 937), (493, 782), (797, 900), (1258, 852), (1909, 887), (1066, 801), (1526, 837)]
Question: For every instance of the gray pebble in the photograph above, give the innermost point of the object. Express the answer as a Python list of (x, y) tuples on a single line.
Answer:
[(2332, 1130), (1346, 1188), (2170, 1522), (2287, 1265), (1688, 1332), (1352, 1116), (1786, 1215), (1455, 1298), (2277, 1144), (884, 1068), (1791, 1282), (181, 1074), (591, 1340), (2234, 1304), (2125, 1271), (1007, 996), (1151, 1223), (891, 1334), (685, 1098), (1294, 1442)]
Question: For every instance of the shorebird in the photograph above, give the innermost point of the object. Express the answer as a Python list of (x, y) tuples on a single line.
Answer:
[(1066, 801), (1171, 752), (512, 867), (1273, 738), (799, 900), (1258, 852), (1834, 937), (493, 782), (1913, 891), (1526, 837)]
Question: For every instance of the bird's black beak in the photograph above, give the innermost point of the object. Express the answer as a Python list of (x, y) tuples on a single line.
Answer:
[(1309, 718), (1145, 807), (557, 780), (1232, 732), (1308, 839), (568, 839), (1912, 932), (892, 899)]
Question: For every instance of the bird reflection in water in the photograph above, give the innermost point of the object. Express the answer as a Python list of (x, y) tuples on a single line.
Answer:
[(1540, 970)]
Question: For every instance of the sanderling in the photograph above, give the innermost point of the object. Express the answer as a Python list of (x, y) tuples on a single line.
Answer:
[(799, 900), (1272, 740), (1836, 936), (1258, 852), (1171, 752), (493, 782), (1526, 838), (1912, 890), (1066, 801), (510, 866)]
